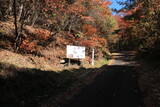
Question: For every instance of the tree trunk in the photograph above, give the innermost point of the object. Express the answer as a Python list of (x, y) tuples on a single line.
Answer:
[(20, 12), (34, 19), (35, 14), (15, 23), (10, 7)]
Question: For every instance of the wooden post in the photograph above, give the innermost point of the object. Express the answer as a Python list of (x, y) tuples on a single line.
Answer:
[(69, 62), (93, 57)]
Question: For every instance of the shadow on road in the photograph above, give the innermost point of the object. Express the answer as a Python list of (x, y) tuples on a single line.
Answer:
[(24, 87), (115, 87)]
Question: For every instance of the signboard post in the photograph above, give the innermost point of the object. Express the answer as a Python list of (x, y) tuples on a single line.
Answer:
[(93, 57)]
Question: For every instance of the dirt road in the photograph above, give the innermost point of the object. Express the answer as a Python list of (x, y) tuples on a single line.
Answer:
[(115, 87)]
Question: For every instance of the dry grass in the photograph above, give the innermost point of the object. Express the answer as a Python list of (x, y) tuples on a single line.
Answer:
[(24, 61), (48, 63), (97, 64), (7, 28)]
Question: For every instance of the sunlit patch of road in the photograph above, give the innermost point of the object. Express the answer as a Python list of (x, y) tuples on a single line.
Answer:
[(124, 58)]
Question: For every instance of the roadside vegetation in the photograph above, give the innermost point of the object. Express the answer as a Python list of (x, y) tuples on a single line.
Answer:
[(139, 28)]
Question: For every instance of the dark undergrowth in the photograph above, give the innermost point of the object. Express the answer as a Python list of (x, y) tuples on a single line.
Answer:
[(26, 87), (22, 87)]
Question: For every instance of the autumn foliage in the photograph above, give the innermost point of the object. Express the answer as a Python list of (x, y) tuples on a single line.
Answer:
[(89, 30), (84, 20), (139, 28), (47, 24)]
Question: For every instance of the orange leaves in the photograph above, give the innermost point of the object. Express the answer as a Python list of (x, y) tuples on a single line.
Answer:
[(35, 35), (89, 30), (75, 8), (104, 4), (42, 34), (27, 45), (122, 22), (54, 6), (88, 18), (57, 6), (100, 40), (85, 16), (38, 33), (94, 42), (88, 43), (61, 41)]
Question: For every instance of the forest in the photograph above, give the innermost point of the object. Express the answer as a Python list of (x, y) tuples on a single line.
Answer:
[(33, 39)]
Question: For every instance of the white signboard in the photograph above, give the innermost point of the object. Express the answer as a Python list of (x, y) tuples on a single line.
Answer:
[(75, 52)]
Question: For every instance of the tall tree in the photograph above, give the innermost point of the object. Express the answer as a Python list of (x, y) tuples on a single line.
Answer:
[(15, 23)]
